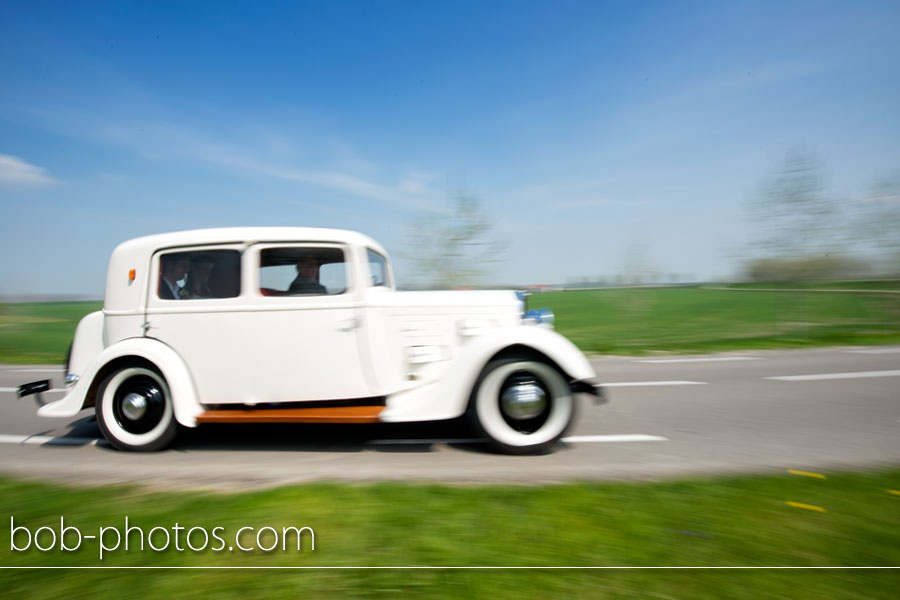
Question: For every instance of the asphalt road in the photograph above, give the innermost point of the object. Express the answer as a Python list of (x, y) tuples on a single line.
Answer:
[(668, 416)]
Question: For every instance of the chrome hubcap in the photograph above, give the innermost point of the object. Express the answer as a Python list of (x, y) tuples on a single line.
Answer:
[(134, 406), (523, 400)]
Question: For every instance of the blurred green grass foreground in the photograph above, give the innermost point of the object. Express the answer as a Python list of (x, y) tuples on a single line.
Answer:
[(611, 321), (728, 521)]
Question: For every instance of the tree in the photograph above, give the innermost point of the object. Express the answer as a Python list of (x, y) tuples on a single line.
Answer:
[(877, 225), (800, 230), (454, 248), (796, 217)]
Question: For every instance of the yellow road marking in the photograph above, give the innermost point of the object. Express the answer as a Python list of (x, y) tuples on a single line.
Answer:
[(807, 506), (806, 473)]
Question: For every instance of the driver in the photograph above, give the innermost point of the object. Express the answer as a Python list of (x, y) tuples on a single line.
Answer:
[(307, 281)]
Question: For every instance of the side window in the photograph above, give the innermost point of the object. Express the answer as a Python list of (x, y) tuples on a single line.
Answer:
[(302, 272), (200, 274), (377, 269)]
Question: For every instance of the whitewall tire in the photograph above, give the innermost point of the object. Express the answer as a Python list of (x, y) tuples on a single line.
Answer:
[(134, 410), (521, 406)]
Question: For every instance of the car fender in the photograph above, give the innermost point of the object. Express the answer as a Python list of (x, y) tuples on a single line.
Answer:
[(185, 401), (448, 397), (87, 342)]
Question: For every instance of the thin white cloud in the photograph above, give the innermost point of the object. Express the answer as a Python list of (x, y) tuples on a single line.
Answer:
[(573, 195), (751, 77), (15, 171), (596, 203), (159, 140), (555, 190)]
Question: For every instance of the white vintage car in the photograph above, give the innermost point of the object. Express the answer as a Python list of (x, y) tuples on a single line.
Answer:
[(304, 325)]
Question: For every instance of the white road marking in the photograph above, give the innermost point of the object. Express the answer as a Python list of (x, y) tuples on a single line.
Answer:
[(9, 389), (574, 439), (425, 441), (634, 437), (642, 383), (46, 439), (853, 375), (693, 360), (874, 351)]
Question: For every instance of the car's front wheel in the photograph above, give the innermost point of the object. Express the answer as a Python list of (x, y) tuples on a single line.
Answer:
[(521, 406), (134, 410)]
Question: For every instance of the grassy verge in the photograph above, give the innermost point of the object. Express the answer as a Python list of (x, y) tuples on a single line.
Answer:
[(39, 332), (638, 320), (733, 521), (876, 285)]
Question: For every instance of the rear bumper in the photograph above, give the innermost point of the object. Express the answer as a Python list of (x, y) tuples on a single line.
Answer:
[(35, 387), (590, 387)]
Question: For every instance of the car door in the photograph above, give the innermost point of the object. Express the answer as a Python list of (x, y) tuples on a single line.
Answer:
[(301, 332)]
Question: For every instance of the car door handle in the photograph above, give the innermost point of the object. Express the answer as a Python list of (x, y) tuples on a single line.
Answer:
[(348, 324)]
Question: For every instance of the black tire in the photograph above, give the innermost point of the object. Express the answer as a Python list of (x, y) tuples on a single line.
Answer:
[(521, 406), (134, 410)]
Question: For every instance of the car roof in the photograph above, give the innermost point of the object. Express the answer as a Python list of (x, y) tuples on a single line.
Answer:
[(243, 235), (127, 276)]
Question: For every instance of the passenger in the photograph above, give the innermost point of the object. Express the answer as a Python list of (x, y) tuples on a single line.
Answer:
[(173, 268), (197, 282), (307, 281)]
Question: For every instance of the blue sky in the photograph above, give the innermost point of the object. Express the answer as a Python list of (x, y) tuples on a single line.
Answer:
[(601, 137)]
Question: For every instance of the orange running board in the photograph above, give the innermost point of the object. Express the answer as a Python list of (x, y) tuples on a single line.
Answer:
[(330, 414)]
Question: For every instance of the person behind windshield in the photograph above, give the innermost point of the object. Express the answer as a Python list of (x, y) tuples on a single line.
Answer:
[(197, 282), (307, 281), (173, 268)]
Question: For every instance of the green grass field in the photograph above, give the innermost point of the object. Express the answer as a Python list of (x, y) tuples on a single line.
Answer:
[(692, 319), (729, 521), (39, 332), (852, 285), (617, 321)]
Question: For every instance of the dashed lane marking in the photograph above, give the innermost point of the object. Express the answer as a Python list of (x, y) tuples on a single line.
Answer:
[(633, 437), (424, 442), (806, 474), (46, 439), (572, 439), (645, 383), (699, 359), (806, 506), (853, 375)]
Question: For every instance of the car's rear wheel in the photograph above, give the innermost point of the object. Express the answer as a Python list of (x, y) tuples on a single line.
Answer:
[(134, 410), (521, 406)]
